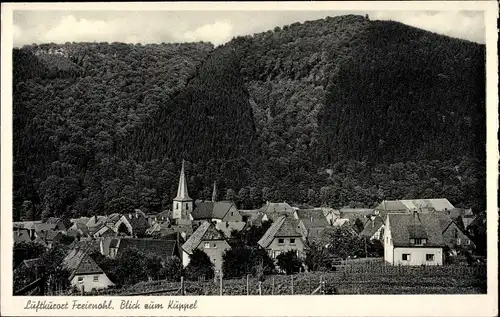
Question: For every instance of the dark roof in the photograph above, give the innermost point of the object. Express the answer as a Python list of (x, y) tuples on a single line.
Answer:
[(164, 215), (312, 218), (49, 235), (372, 226), (159, 247), (53, 220), (138, 221), (206, 231), (78, 262), (90, 245), (423, 225), (283, 227), (209, 209), (31, 263)]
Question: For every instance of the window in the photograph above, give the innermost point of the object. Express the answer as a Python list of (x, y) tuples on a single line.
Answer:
[(176, 205), (292, 241), (187, 206), (406, 257), (455, 233), (458, 241), (412, 241), (281, 241), (207, 245), (420, 241), (468, 242), (96, 278), (429, 257), (215, 245), (80, 279), (231, 213)]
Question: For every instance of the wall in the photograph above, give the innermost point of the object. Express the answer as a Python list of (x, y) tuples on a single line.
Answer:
[(88, 282), (287, 246), (233, 215), (388, 246), (417, 256), (185, 258), (215, 254)]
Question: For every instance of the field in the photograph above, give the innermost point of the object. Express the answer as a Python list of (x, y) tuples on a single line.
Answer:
[(352, 278)]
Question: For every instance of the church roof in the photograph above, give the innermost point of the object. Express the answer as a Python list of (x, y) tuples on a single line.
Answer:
[(182, 192)]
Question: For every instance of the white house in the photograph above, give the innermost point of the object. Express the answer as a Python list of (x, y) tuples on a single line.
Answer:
[(413, 239), (84, 272)]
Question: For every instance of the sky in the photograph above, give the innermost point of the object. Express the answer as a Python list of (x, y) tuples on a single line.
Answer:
[(217, 27)]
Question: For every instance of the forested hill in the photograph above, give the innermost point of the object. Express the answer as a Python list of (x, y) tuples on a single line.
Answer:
[(342, 111)]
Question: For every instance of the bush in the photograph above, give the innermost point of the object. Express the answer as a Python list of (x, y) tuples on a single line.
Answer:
[(289, 262), (199, 266), (239, 261), (172, 269)]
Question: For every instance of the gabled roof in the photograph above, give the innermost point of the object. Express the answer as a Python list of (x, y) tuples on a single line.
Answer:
[(26, 224), (229, 226), (392, 206), (209, 209), (164, 215), (113, 218), (137, 220), (78, 262), (206, 231), (407, 205), (159, 247), (96, 221), (339, 222), (283, 227), (277, 207), (372, 226), (423, 225), (312, 218)]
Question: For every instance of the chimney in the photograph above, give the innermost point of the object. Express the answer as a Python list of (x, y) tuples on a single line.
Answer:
[(130, 215), (136, 214), (311, 219), (95, 218)]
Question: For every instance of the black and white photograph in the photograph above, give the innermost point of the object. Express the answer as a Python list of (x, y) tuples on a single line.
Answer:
[(248, 153)]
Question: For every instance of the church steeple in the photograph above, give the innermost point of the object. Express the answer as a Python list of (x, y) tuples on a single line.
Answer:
[(183, 204), (214, 193), (182, 191)]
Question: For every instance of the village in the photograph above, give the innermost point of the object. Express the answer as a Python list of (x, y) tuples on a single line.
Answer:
[(396, 233)]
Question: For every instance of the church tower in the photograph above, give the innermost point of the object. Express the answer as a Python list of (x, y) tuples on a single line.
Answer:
[(183, 204)]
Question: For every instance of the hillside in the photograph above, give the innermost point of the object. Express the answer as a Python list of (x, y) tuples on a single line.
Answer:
[(342, 111)]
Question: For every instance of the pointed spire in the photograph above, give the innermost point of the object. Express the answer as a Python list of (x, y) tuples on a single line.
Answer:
[(214, 193), (182, 192)]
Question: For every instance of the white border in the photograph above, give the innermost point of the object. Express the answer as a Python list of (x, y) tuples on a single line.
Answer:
[(347, 305)]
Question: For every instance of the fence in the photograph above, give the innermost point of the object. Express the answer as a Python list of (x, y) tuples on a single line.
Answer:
[(358, 278)]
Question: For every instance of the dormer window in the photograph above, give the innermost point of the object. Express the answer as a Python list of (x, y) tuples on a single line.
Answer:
[(418, 241)]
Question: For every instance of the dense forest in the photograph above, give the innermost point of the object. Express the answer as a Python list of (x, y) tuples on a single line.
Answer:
[(341, 111)]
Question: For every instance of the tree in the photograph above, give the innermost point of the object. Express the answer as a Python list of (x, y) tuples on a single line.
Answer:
[(318, 258), (244, 197), (172, 269), (230, 195), (239, 261), (289, 262), (343, 242), (255, 197), (267, 194), (131, 267), (51, 262), (199, 266), (25, 251), (27, 211)]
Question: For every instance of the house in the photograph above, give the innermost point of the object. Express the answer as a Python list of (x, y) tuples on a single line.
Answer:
[(374, 228), (228, 227), (21, 235), (209, 240), (275, 210), (163, 217), (253, 217), (133, 224), (413, 239), (330, 214), (95, 221), (218, 211), (282, 236), (410, 205), (58, 222), (112, 247), (48, 237), (78, 229), (113, 219), (102, 230), (163, 230), (463, 217), (311, 222), (454, 236), (85, 274)]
